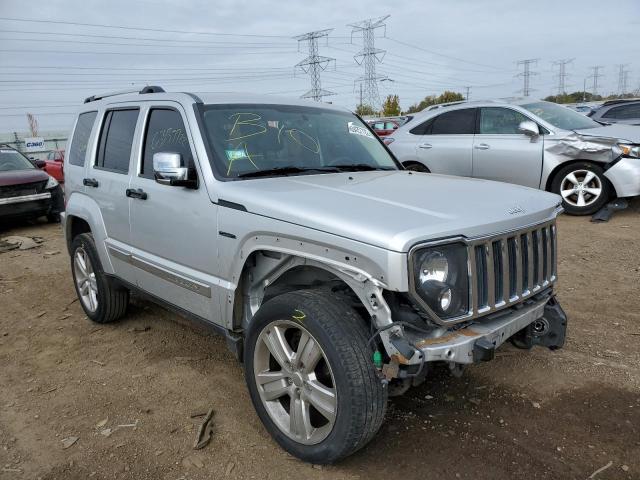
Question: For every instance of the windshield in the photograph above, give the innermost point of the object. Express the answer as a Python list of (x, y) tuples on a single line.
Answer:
[(12, 160), (560, 117), (259, 140)]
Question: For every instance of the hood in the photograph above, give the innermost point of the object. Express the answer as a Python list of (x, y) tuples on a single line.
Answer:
[(18, 177), (394, 210), (616, 132)]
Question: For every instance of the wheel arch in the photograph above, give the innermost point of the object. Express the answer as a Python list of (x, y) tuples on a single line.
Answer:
[(559, 166), (408, 163), (268, 273)]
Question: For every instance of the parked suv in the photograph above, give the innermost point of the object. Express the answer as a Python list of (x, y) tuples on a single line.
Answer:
[(528, 142), (336, 276)]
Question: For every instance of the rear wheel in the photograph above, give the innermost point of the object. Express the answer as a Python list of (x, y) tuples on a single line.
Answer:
[(311, 378), (583, 187), (101, 298)]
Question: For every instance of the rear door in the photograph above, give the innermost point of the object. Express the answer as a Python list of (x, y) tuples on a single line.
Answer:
[(445, 142), (501, 152), (173, 229), (108, 179)]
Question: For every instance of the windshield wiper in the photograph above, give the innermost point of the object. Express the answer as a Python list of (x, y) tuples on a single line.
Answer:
[(286, 171), (358, 167)]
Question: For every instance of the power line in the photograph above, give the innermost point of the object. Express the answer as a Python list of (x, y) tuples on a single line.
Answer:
[(595, 76), (368, 57), (314, 63), (562, 74), (129, 44), (132, 53), (122, 27), (526, 74)]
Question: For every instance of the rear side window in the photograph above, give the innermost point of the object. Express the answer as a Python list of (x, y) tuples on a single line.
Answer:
[(116, 139), (80, 138), (624, 112), (456, 122), (165, 133)]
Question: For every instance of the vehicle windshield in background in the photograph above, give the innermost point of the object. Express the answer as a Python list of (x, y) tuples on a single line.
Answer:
[(260, 140), (561, 117), (12, 160)]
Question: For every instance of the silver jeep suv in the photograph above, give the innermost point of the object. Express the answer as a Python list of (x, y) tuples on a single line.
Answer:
[(337, 277)]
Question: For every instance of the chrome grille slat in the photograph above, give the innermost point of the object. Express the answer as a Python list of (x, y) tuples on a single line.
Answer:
[(508, 268), (506, 272)]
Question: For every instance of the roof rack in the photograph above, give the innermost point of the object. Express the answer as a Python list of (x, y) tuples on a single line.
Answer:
[(147, 89)]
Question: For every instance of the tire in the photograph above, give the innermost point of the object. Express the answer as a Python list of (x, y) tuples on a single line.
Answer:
[(571, 179), (345, 368), (416, 167), (102, 300)]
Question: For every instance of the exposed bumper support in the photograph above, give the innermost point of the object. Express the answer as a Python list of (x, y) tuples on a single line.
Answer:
[(478, 341)]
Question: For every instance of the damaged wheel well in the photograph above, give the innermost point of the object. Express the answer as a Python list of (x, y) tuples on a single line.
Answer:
[(267, 274)]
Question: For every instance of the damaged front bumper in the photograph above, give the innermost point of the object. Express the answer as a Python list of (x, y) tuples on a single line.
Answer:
[(624, 175), (541, 322)]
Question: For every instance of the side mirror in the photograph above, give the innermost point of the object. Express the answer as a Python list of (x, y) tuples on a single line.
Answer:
[(168, 170), (39, 163), (529, 128)]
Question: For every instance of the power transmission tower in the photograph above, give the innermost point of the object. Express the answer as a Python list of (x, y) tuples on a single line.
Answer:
[(562, 74), (526, 74), (314, 63), (623, 79), (595, 75), (467, 90), (368, 57)]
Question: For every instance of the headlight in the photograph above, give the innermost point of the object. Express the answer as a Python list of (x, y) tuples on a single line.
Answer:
[(441, 279), (630, 150), (51, 183)]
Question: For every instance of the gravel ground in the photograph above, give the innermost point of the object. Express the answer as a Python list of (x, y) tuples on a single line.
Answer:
[(128, 391)]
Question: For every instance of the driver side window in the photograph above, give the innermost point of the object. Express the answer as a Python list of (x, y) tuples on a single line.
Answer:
[(496, 121)]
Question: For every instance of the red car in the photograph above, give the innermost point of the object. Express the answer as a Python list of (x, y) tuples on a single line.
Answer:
[(54, 165), (384, 127), (27, 191)]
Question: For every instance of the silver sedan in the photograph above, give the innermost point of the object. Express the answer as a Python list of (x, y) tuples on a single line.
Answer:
[(528, 142)]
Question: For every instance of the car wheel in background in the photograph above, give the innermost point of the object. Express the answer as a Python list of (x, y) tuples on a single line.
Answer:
[(311, 376), (583, 187), (101, 298), (416, 167)]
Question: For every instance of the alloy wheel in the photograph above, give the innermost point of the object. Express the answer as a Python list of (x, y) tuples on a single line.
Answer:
[(295, 382), (581, 188), (85, 280)]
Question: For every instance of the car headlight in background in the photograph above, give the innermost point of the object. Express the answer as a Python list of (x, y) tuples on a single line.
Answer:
[(630, 150), (441, 279), (51, 183)]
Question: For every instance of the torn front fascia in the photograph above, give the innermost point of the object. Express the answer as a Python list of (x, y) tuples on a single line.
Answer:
[(548, 331)]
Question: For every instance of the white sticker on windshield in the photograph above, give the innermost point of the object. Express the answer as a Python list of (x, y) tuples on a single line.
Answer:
[(358, 130)]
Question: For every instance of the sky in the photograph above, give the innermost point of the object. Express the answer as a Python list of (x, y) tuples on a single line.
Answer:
[(54, 53)]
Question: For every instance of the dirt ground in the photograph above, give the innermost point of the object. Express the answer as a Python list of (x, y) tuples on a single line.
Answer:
[(530, 415)]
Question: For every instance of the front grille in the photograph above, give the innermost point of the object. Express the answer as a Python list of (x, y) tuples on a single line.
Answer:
[(22, 189), (508, 268)]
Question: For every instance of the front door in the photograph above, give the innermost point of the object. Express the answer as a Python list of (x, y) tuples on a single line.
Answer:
[(173, 228), (444, 145), (501, 152)]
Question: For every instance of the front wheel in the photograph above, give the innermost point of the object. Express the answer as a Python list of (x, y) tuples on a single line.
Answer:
[(583, 187), (311, 378)]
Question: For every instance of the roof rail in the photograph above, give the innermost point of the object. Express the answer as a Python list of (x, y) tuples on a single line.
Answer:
[(620, 100), (147, 89)]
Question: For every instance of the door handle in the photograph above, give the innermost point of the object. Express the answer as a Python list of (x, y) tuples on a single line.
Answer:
[(481, 146), (90, 182), (425, 145), (136, 193)]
